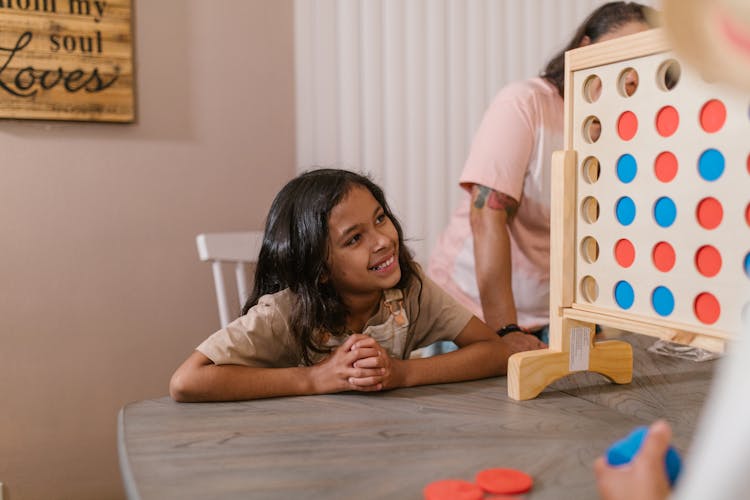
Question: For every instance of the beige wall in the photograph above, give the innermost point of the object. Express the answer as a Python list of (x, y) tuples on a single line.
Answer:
[(101, 291)]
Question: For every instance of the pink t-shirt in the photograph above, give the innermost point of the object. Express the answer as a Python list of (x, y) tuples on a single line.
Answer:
[(511, 154)]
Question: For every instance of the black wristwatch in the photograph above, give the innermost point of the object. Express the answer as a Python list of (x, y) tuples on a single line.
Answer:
[(509, 329)]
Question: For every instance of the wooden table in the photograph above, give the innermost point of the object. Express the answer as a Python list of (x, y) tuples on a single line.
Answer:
[(392, 444)]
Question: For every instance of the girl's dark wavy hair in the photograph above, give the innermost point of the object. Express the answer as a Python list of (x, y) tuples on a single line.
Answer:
[(295, 250), (603, 20)]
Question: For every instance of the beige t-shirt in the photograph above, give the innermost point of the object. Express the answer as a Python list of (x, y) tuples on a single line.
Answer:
[(263, 338)]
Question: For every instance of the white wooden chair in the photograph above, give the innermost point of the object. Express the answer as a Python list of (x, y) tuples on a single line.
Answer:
[(240, 249)]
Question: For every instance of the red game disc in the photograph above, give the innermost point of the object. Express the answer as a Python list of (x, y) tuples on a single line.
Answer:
[(504, 481), (452, 489)]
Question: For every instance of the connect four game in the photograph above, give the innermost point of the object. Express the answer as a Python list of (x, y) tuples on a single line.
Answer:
[(663, 190), (650, 211)]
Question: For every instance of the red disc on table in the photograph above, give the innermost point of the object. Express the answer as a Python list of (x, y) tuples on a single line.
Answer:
[(627, 125), (452, 489), (504, 481)]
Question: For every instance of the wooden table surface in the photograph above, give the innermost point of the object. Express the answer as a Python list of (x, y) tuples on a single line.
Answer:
[(392, 444)]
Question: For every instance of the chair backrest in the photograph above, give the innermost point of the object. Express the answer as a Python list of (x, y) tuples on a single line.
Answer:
[(240, 249)]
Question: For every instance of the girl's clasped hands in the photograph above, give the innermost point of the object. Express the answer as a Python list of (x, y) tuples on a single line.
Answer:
[(359, 364)]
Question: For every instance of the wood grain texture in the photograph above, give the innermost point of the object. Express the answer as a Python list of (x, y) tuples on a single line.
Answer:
[(67, 61), (664, 330), (618, 49), (562, 243), (392, 444), (662, 387)]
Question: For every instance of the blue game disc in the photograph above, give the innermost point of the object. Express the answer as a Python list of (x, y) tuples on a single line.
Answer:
[(665, 211), (626, 168), (625, 211), (711, 164), (623, 451), (662, 300), (624, 294)]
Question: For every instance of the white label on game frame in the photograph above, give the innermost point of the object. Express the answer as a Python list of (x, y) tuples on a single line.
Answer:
[(579, 348)]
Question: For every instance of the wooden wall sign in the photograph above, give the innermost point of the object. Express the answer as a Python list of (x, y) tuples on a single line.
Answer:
[(66, 60)]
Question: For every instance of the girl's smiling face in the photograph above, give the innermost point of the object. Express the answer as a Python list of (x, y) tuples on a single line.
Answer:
[(363, 246)]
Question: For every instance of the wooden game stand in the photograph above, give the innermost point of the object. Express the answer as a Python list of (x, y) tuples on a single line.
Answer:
[(531, 371), (573, 346), (572, 329)]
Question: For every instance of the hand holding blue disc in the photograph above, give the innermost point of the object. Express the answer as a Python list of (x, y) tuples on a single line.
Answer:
[(623, 451)]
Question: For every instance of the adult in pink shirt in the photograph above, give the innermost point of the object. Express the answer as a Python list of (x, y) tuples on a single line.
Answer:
[(494, 255)]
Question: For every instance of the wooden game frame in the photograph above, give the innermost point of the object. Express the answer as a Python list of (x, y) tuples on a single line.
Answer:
[(572, 345)]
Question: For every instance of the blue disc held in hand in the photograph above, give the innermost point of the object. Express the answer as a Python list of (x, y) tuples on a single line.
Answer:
[(623, 451)]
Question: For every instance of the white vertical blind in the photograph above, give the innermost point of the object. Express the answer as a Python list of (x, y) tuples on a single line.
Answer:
[(396, 88)]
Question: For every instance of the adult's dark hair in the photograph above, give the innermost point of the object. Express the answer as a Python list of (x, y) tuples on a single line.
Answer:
[(603, 20), (295, 250)]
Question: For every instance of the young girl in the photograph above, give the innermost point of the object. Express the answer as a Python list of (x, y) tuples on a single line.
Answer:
[(338, 305)]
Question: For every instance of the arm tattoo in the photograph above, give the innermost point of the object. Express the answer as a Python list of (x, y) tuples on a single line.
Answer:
[(494, 200)]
